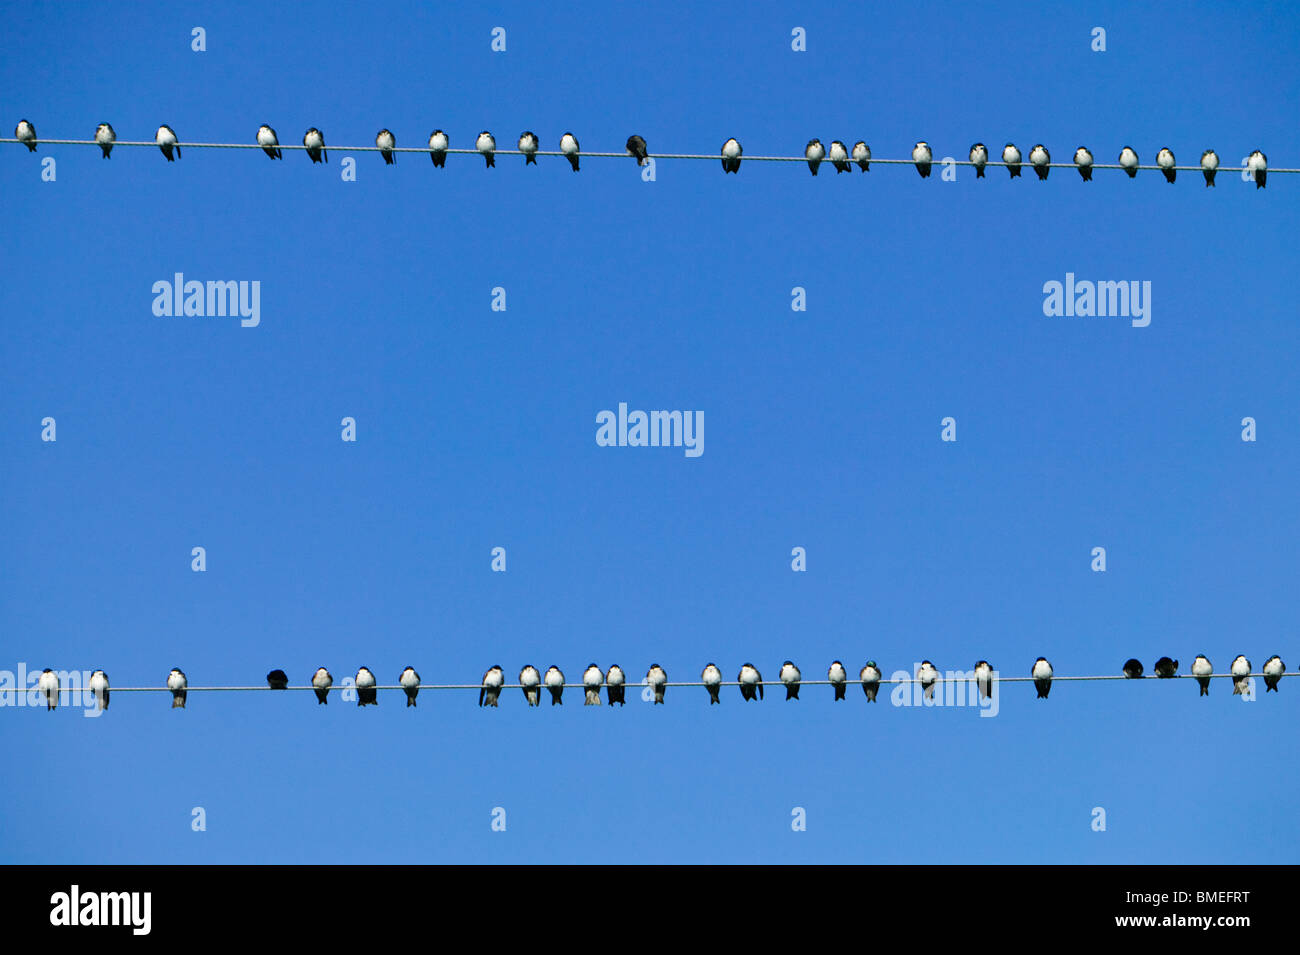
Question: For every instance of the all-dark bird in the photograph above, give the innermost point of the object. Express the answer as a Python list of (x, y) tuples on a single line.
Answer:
[(1166, 668), (637, 148), (277, 680), (1133, 669)]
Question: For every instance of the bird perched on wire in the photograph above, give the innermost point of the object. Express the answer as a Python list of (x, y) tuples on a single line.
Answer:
[(1257, 163), (592, 678), (1042, 160), (615, 685), (1133, 669), (490, 691), (530, 681), (438, 144), (731, 153), (711, 677), (1011, 156), (314, 140), (922, 155), (98, 685), (1166, 668), (269, 142), (1273, 670), (47, 687), (928, 677), (25, 133), (790, 677), (167, 142), (555, 683), (321, 682), (1165, 160), (657, 679), (1083, 159), (862, 155), (1209, 166), (870, 677), (486, 144), (984, 678), (751, 682), (177, 683), (367, 690), (838, 677), (386, 142), (1128, 160), (528, 146), (839, 157), (569, 146), (1042, 674), (277, 680), (409, 681), (814, 152), (979, 157), (637, 148), (1201, 669), (1240, 671), (105, 137)]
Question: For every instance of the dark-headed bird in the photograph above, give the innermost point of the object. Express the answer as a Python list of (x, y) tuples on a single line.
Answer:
[(1240, 671), (839, 156), (1011, 156), (47, 686), (984, 679), (98, 686), (179, 686), (870, 677), (487, 145), (751, 682), (656, 678), (321, 682), (838, 677), (555, 683), (1168, 165), (1133, 669), (711, 677), (1042, 674), (269, 142), (922, 155), (979, 157), (367, 691), (569, 146), (167, 142), (928, 677), (814, 152), (1042, 160), (386, 142), (277, 680), (637, 149), (1201, 669), (528, 146), (1128, 160), (615, 685), (862, 155), (438, 144), (409, 681), (530, 681), (490, 691), (731, 153), (105, 137), (1166, 668), (25, 133), (1209, 166), (790, 677), (1083, 159), (1257, 163), (1273, 670), (592, 678), (314, 140)]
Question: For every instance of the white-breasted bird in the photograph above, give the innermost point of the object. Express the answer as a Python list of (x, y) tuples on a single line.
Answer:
[(870, 677), (751, 682), (862, 155), (366, 692), (1257, 163), (531, 683), (656, 678), (47, 688), (25, 133), (569, 146), (592, 678), (790, 677), (269, 142), (1083, 159), (409, 681), (814, 152), (1240, 671), (386, 141), (179, 686), (98, 686), (711, 677), (555, 683), (839, 156), (486, 144), (167, 142), (1209, 166), (928, 677), (615, 685), (984, 678), (1011, 156), (1201, 669), (731, 153), (1041, 159), (528, 146), (922, 155), (105, 136), (321, 682), (979, 157), (438, 144), (839, 679), (1273, 670), (1165, 160), (314, 140), (1042, 674), (1128, 160), (493, 679), (636, 148)]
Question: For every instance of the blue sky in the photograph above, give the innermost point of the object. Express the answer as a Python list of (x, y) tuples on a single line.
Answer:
[(476, 429)]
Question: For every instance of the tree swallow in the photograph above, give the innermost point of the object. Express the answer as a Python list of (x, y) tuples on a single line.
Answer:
[(322, 681), (1042, 674), (269, 142), (1201, 669), (1133, 669), (98, 685), (528, 146), (814, 152), (486, 144), (711, 676), (366, 692), (1209, 166), (615, 685), (1128, 159), (48, 688), (928, 676), (1083, 159), (862, 155), (592, 678), (177, 683), (1166, 668), (438, 144), (984, 679), (410, 682), (490, 691), (555, 683), (790, 677), (314, 140), (870, 676), (386, 141), (636, 146), (277, 680), (1011, 156), (569, 146), (751, 682), (921, 155), (1257, 163), (1240, 671), (1165, 160), (531, 681), (105, 136), (1042, 160), (25, 133), (167, 142), (1273, 670), (838, 678), (839, 156), (731, 156), (657, 678), (979, 157)]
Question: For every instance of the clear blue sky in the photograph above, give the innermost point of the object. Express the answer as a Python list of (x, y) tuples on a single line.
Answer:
[(477, 429)]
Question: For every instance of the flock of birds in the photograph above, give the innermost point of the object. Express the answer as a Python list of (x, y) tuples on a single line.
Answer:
[(839, 155), (614, 681)]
